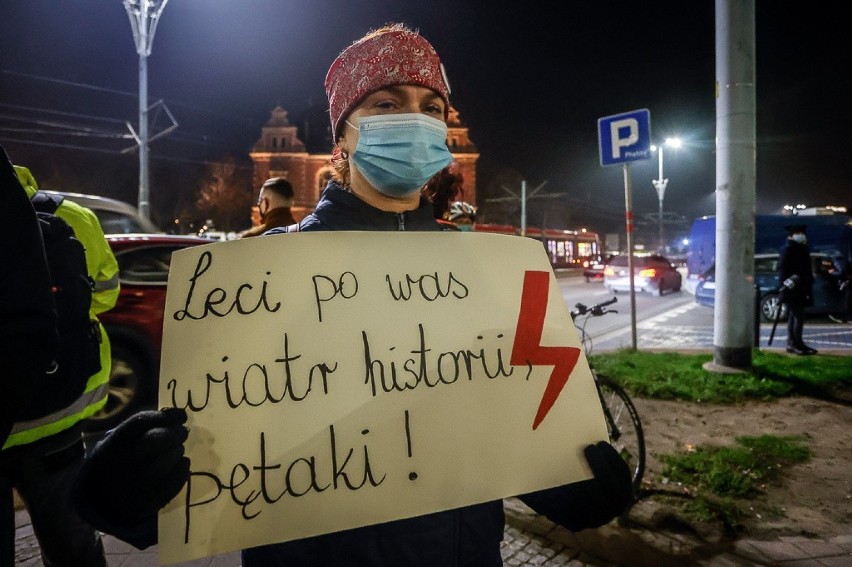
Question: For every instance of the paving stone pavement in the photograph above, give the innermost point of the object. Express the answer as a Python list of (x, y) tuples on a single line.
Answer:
[(532, 540)]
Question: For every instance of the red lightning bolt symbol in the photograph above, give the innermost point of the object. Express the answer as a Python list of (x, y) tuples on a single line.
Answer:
[(527, 348)]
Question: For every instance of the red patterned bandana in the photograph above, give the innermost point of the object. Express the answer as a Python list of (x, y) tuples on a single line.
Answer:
[(384, 60)]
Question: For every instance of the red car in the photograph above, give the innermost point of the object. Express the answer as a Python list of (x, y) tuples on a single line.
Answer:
[(135, 324)]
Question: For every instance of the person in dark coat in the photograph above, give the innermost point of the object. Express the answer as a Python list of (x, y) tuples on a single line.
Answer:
[(273, 204), (29, 339), (797, 279), (28, 335), (388, 101)]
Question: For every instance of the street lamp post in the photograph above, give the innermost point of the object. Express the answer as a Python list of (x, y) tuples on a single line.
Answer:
[(660, 185), (144, 15)]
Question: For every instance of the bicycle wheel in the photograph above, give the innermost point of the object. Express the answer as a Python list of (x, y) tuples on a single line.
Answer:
[(623, 426)]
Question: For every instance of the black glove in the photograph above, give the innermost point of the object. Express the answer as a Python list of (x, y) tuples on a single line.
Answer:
[(135, 470), (589, 503)]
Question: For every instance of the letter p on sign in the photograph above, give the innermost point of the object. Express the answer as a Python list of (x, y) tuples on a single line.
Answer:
[(625, 137), (630, 128)]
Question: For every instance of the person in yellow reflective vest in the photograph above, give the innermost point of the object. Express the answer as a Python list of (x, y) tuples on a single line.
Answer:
[(41, 456)]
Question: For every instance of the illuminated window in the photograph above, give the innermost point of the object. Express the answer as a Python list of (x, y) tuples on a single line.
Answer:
[(551, 250)]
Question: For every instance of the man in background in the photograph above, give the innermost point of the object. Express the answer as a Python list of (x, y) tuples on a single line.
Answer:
[(795, 273), (273, 204)]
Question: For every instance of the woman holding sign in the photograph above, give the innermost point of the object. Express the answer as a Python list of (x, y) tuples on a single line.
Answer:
[(388, 103)]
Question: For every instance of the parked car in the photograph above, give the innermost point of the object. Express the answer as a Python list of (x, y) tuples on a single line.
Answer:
[(653, 274), (116, 217), (826, 293), (135, 324)]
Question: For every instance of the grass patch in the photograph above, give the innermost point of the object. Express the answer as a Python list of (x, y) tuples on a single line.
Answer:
[(740, 471), (718, 477), (679, 376), (724, 484)]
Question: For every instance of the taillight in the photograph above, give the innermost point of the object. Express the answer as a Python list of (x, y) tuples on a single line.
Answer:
[(647, 273)]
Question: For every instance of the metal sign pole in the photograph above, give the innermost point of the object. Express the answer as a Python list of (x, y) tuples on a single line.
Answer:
[(623, 138), (628, 221)]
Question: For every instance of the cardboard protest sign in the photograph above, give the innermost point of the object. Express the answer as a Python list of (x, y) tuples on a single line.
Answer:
[(340, 379)]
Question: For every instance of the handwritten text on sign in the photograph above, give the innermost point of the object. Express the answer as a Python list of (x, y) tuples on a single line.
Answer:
[(335, 380)]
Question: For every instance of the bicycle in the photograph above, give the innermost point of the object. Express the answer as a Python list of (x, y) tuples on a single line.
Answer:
[(622, 420)]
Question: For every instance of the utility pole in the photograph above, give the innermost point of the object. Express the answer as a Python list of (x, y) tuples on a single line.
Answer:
[(736, 146), (523, 197), (144, 16)]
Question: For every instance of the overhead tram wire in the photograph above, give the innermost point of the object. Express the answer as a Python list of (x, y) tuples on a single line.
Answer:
[(200, 139), (61, 113), (68, 83), (191, 106), (57, 145), (154, 155), (187, 137)]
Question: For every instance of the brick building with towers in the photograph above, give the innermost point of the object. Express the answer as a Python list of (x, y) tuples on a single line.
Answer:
[(281, 153)]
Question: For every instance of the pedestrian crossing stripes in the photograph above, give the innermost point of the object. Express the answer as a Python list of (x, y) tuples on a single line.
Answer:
[(663, 317)]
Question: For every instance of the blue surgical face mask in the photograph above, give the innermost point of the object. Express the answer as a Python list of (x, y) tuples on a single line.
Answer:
[(399, 153), (800, 237)]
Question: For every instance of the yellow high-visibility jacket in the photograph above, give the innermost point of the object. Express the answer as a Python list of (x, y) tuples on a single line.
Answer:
[(103, 268)]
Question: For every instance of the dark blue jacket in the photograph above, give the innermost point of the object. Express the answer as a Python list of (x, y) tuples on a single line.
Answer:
[(340, 210), (468, 536)]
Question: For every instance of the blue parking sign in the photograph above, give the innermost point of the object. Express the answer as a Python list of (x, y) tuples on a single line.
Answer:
[(625, 137)]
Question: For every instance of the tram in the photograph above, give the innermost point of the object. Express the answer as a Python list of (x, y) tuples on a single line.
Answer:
[(565, 248)]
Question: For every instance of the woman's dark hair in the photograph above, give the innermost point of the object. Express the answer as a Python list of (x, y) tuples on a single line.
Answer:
[(445, 187)]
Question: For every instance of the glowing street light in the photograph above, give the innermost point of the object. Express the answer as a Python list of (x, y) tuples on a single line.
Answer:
[(661, 182), (144, 15)]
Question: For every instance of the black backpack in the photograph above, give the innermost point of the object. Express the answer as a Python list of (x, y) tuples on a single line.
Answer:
[(78, 357)]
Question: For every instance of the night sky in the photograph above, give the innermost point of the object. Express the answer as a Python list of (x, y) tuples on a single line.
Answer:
[(530, 85)]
